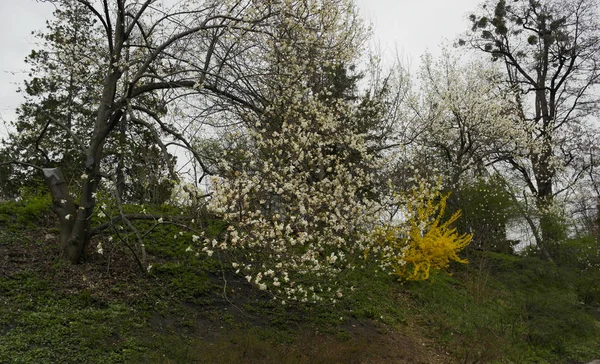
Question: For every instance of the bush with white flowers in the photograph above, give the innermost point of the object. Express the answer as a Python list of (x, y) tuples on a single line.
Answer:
[(294, 194)]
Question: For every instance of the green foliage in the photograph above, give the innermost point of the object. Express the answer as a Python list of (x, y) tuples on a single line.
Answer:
[(214, 227), (28, 211), (185, 281), (582, 253), (553, 317), (486, 209), (374, 296), (554, 229), (168, 239), (40, 326), (63, 86), (557, 322), (475, 325), (499, 308), (507, 308), (582, 256), (63, 92)]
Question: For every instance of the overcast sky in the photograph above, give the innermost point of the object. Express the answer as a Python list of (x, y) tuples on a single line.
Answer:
[(17, 19), (409, 27)]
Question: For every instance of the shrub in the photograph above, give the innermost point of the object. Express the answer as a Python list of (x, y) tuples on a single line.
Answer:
[(583, 256), (424, 242), (487, 208), (27, 211)]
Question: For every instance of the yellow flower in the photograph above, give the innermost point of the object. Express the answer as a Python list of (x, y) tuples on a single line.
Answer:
[(425, 242)]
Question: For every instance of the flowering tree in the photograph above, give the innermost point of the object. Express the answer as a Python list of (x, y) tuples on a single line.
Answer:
[(550, 52), (297, 181), (296, 195), (465, 118), (464, 122), (299, 184)]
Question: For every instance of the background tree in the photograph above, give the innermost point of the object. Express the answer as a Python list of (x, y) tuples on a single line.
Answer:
[(145, 58), (463, 117), (550, 50), (464, 121), (61, 96)]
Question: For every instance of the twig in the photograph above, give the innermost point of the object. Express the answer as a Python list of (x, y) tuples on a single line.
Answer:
[(135, 232), (225, 288), (22, 163), (98, 229), (71, 134), (137, 259)]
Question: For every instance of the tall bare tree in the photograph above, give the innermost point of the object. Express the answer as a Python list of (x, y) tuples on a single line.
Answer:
[(149, 56), (551, 53)]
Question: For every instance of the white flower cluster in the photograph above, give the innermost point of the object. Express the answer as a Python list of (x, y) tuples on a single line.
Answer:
[(295, 196), (297, 207), (465, 113)]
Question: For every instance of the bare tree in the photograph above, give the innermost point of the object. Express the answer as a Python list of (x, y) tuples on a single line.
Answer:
[(551, 53), (151, 56)]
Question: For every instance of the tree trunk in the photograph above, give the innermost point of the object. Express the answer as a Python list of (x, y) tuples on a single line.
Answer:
[(596, 228), (548, 229), (544, 174), (120, 172), (65, 209)]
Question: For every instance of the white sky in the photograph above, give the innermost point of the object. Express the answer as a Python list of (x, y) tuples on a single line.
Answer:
[(409, 28), (17, 19), (406, 27)]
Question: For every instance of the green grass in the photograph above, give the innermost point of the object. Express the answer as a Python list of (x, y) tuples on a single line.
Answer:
[(24, 213), (504, 308), (497, 309), (39, 326)]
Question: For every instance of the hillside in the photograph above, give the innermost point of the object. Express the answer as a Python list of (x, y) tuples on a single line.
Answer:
[(496, 309)]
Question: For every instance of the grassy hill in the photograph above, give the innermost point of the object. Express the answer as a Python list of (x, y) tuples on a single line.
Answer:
[(496, 309)]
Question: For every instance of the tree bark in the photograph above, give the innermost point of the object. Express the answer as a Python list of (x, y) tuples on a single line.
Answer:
[(65, 209), (596, 231)]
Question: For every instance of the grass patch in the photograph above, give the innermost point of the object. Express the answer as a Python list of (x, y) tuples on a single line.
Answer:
[(505, 307), (39, 326), (499, 308), (26, 213)]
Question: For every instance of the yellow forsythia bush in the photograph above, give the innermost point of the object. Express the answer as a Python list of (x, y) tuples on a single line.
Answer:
[(422, 241)]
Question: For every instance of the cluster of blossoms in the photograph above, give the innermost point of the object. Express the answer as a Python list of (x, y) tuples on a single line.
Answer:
[(420, 240), (295, 201), (298, 188), (295, 191), (465, 115)]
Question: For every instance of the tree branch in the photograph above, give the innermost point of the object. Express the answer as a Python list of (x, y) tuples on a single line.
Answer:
[(71, 134), (158, 141), (175, 134), (21, 163)]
